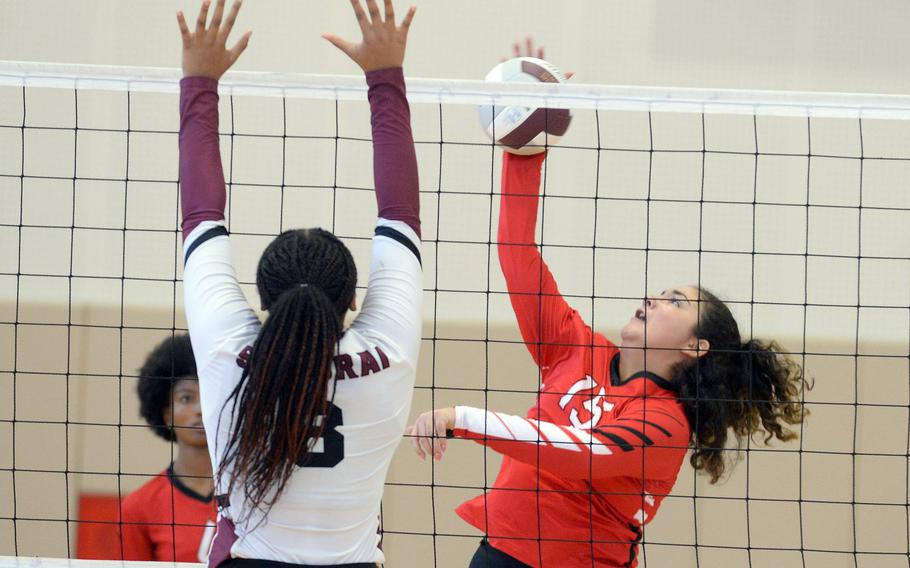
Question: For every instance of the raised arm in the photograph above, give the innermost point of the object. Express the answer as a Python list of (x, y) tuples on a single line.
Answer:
[(394, 159), (216, 308), (381, 55), (548, 323), (393, 300), (205, 59), (202, 180)]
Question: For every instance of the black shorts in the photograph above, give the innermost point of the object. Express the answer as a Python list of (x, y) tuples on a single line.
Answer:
[(489, 557), (251, 563)]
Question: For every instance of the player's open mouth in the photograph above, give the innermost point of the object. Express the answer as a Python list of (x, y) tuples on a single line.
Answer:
[(640, 314)]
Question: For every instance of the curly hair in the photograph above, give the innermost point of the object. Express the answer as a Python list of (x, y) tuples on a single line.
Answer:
[(169, 361), (745, 387), (306, 280)]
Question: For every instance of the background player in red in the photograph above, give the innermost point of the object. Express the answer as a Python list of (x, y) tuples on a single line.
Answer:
[(172, 517), (604, 442), (302, 416)]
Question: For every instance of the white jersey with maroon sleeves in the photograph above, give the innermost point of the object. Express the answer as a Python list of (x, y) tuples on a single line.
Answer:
[(329, 510)]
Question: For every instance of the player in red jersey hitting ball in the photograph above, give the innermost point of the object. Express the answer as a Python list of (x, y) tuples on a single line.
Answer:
[(604, 443)]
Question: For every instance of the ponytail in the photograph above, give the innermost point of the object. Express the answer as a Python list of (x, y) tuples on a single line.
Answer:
[(285, 386), (776, 393), (748, 388)]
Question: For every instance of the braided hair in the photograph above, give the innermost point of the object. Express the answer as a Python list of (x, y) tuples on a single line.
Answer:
[(306, 280), (747, 387)]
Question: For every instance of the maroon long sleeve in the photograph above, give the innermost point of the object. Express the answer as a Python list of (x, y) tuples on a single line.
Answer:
[(202, 191), (394, 158)]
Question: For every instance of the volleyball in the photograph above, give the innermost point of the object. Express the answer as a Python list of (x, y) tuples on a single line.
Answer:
[(518, 129)]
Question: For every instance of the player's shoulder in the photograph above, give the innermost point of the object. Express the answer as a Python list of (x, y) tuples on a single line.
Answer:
[(602, 344), (138, 502), (584, 337), (648, 396), (660, 408), (362, 352), (361, 336), (232, 351), (357, 339)]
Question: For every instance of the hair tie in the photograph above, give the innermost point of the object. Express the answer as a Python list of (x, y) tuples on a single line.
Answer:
[(298, 286)]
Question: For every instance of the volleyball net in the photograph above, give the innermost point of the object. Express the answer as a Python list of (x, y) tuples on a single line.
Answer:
[(792, 207)]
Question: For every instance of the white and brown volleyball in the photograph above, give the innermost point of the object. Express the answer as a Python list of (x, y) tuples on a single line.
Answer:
[(523, 130)]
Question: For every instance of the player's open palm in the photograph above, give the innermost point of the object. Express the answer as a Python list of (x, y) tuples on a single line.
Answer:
[(205, 52), (383, 42)]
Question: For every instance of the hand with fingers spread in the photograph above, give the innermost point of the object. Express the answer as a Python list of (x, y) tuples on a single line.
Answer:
[(383, 42), (205, 52), (428, 434), (530, 50)]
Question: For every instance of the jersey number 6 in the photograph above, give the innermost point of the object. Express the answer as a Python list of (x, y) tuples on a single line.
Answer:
[(332, 443)]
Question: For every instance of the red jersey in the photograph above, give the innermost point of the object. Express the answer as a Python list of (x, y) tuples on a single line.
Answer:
[(164, 520), (595, 456)]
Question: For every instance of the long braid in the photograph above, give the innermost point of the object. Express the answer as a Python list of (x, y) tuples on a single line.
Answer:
[(306, 280)]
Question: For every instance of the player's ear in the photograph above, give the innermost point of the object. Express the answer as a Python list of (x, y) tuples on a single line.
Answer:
[(697, 348), (353, 306)]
